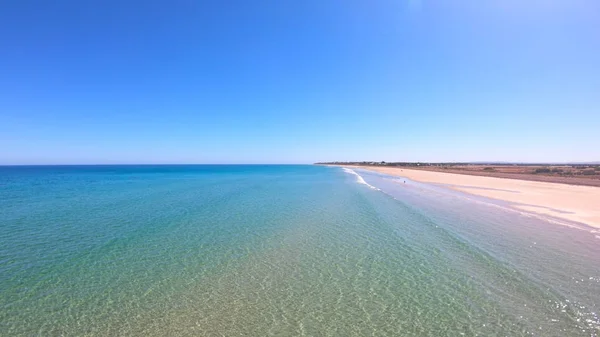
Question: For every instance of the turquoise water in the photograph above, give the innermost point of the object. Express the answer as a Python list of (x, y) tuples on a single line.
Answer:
[(280, 251)]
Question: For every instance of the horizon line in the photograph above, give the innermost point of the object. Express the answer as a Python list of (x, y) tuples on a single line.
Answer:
[(314, 163)]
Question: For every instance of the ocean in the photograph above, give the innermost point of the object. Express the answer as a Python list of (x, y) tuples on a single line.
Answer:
[(268, 250)]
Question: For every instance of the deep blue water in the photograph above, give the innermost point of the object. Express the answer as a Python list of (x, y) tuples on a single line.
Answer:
[(261, 250)]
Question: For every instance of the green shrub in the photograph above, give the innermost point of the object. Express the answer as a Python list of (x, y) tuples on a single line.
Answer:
[(542, 170)]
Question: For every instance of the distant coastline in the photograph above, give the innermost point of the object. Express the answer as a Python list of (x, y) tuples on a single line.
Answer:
[(583, 174)]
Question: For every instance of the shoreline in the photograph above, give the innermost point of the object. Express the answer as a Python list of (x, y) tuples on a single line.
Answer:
[(560, 174), (574, 203)]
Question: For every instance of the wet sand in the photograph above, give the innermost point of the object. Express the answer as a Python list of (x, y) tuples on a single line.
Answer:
[(569, 202)]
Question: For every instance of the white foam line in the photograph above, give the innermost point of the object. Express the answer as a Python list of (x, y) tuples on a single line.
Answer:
[(359, 178), (468, 197)]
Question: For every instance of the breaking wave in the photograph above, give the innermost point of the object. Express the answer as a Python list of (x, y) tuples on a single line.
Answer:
[(359, 178)]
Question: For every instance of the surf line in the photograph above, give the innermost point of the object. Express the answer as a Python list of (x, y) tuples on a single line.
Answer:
[(359, 178)]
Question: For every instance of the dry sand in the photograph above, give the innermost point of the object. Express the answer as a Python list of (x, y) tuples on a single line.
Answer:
[(574, 203)]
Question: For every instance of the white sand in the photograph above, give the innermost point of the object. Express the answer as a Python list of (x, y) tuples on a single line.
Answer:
[(570, 202)]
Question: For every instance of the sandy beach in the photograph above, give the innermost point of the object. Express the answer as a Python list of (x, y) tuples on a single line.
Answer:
[(569, 202)]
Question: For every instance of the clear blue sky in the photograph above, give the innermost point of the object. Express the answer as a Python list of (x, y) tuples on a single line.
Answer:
[(274, 81)]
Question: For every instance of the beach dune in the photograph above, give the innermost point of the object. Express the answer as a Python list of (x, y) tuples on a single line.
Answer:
[(569, 202)]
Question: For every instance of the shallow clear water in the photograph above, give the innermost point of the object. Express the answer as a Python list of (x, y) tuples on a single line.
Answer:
[(282, 251)]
